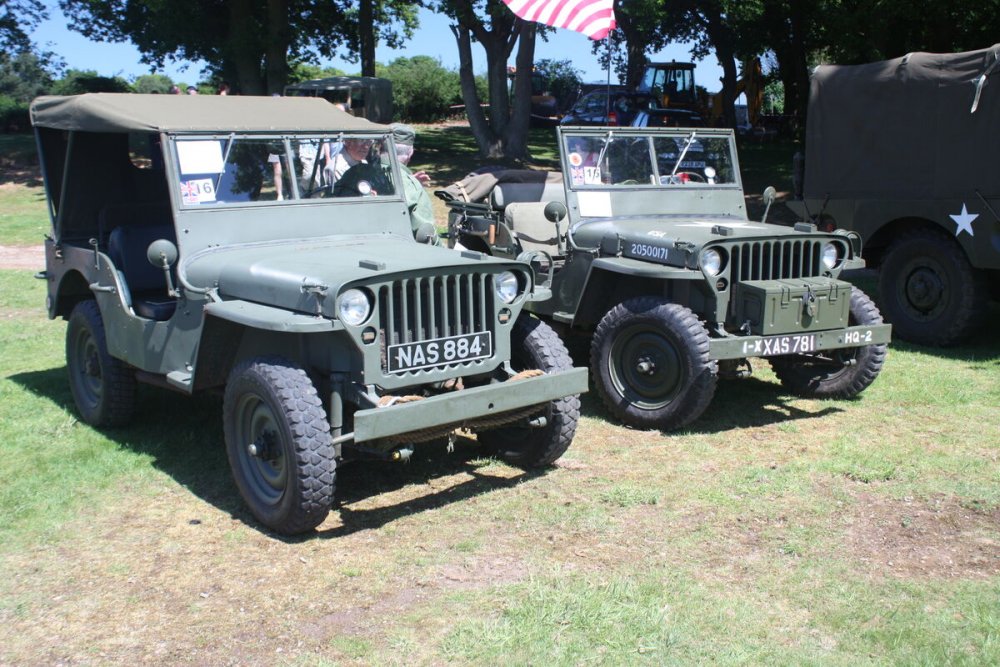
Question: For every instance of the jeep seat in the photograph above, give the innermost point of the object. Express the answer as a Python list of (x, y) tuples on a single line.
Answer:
[(530, 226), (516, 186), (145, 284)]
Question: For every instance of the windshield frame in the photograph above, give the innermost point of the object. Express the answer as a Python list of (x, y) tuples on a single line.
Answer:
[(288, 141), (662, 169)]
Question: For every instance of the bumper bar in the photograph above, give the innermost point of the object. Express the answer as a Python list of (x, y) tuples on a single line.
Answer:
[(807, 342), (467, 404)]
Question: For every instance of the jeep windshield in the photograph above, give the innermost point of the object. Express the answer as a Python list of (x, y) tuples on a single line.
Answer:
[(270, 170), (617, 160)]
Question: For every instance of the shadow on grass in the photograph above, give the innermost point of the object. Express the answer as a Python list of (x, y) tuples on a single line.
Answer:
[(449, 153), (183, 438)]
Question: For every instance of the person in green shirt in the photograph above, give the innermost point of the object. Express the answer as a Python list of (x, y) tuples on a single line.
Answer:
[(421, 210)]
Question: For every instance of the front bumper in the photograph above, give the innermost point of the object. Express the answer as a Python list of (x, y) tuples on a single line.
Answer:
[(807, 342), (467, 405)]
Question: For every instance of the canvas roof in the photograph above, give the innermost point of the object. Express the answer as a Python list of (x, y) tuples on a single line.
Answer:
[(125, 112), (904, 127)]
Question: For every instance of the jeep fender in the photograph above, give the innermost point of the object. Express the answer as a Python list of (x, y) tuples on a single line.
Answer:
[(611, 280)]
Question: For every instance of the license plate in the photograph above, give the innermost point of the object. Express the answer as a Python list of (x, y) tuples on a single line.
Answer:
[(439, 352), (770, 346)]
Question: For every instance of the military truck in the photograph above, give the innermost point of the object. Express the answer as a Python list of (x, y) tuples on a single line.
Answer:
[(364, 96), (192, 248), (645, 242), (904, 152)]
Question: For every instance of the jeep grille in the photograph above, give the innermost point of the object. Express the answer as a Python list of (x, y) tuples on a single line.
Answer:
[(418, 309), (775, 260)]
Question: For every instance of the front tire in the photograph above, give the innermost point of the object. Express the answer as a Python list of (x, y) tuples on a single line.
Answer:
[(278, 444), (534, 345), (929, 290), (104, 388), (651, 365), (849, 371)]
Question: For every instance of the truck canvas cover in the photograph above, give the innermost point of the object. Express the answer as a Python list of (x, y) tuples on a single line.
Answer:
[(919, 126)]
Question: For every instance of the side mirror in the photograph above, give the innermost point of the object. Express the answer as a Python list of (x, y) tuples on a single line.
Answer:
[(162, 254), (426, 233), (770, 194), (555, 211)]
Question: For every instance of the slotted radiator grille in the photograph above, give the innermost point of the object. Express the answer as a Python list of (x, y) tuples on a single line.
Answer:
[(775, 260), (419, 309)]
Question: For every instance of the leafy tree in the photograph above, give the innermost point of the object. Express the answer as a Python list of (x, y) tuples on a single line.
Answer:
[(24, 76), (562, 80), (376, 20), (303, 71), (643, 26), (17, 19), (422, 89), (76, 82), (498, 30), (152, 83)]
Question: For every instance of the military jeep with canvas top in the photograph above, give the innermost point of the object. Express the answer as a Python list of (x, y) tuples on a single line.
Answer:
[(645, 242), (200, 243)]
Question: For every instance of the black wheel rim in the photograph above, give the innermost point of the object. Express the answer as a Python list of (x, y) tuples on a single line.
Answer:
[(923, 291), (645, 367), (88, 376), (262, 457)]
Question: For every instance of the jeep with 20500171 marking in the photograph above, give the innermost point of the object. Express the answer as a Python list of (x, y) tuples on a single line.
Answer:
[(262, 247), (645, 242)]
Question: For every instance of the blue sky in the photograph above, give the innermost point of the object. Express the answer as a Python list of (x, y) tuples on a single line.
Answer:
[(432, 38)]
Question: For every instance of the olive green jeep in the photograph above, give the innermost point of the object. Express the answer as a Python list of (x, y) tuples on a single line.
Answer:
[(645, 242), (202, 243)]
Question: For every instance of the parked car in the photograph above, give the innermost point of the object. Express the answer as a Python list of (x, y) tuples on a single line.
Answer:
[(645, 242), (186, 253), (592, 108)]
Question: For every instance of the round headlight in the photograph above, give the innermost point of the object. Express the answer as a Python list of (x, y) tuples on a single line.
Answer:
[(506, 286), (829, 255), (711, 262), (354, 307)]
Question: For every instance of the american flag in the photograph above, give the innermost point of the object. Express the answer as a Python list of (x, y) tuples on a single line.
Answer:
[(594, 18)]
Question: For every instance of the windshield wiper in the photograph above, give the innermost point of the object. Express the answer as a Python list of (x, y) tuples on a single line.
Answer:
[(690, 140), (604, 149)]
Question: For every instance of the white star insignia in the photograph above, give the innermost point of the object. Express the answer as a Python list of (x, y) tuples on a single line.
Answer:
[(964, 221)]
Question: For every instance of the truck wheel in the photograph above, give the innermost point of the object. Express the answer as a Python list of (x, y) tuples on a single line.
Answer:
[(103, 387), (651, 364), (929, 291), (534, 345), (847, 373), (278, 444)]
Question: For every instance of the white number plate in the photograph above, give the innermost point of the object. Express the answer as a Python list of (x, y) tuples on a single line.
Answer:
[(774, 345), (439, 352)]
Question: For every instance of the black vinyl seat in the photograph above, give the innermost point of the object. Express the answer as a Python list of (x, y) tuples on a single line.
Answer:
[(146, 286)]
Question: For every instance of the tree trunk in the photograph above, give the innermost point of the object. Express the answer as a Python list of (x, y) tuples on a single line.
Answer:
[(515, 135), (481, 131), (722, 40), (244, 48), (278, 38), (366, 26)]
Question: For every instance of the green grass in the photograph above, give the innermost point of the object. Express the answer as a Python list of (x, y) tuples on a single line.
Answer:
[(23, 218)]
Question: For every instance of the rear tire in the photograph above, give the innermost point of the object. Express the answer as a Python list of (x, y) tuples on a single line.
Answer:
[(651, 365), (278, 444), (824, 379), (104, 388), (534, 345), (929, 290)]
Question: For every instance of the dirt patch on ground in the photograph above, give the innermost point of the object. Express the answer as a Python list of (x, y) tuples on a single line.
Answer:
[(22, 257), (939, 538)]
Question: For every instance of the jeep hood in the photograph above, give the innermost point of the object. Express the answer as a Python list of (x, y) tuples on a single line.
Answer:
[(307, 274), (664, 229)]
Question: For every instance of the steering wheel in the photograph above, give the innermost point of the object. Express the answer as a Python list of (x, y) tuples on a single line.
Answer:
[(682, 177)]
